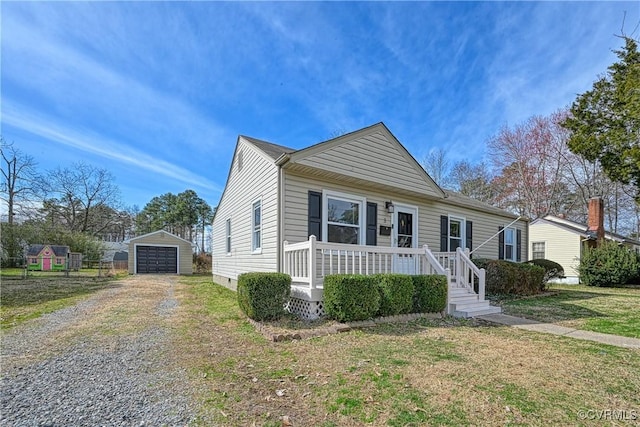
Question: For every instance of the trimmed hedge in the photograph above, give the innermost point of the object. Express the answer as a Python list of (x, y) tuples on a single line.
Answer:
[(396, 294), (262, 296), (350, 297), (430, 293), (506, 277), (608, 265), (552, 270)]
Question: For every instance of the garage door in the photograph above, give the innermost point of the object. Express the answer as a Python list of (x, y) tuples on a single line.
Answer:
[(156, 259)]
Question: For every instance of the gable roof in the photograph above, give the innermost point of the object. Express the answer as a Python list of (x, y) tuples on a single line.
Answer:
[(581, 229), (157, 232), (58, 250), (283, 155), (370, 141), (270, 149)]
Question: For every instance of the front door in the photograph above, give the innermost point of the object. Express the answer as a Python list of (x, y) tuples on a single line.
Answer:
[(46, 263), (405, 228)]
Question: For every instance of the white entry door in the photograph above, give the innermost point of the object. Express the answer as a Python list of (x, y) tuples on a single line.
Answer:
[(405, 235)]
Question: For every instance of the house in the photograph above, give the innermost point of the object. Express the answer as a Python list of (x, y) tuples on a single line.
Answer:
[(563, 241), (160, 252), (47, 257), (359, 203)]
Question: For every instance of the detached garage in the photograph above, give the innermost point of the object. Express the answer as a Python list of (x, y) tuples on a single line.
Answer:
[(160, 252)]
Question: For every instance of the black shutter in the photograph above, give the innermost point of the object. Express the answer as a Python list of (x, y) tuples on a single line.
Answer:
[(315, 214), (501, 243), (444, 233), (518, 245), (372, 224), (469, 235)]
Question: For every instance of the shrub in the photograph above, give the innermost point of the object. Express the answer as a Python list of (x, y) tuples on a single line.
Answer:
[(396, 293), (608, 265), (202, 263), (262, 296), (506, 277), (552, 270), (430, 293), (350, 297)]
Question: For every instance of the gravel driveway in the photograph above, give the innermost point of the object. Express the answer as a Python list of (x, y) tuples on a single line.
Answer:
[(103, 362)]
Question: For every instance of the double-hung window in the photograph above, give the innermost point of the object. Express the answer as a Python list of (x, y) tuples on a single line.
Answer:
[(228, 235), (537, 250), (256, 226), (510, 244), (344, 218), (456, 233)]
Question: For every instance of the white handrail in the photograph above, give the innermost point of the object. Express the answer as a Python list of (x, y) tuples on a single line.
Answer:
[(465, 265)]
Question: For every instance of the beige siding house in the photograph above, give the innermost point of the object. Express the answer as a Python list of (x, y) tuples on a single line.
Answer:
[(563, 241), (370, 207), (160, 252)]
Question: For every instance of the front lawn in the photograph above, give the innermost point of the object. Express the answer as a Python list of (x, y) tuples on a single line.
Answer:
[(428, 372), (607, 310)]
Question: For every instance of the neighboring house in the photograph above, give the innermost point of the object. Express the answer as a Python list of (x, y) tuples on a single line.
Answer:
[(47, 257), (564, 241), (371, 208), (160, 252)]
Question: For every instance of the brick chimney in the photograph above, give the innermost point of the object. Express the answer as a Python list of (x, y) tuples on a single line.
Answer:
[(595, 223)]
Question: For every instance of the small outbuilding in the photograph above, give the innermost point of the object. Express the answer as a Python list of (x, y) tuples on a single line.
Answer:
[(47, 257), (160, 252)]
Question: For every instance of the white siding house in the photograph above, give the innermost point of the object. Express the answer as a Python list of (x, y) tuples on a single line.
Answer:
[(371, 208), (246, 220), (563, 241)]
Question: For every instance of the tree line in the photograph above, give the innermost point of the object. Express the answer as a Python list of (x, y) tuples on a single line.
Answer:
[(553, 165), (80, 206)]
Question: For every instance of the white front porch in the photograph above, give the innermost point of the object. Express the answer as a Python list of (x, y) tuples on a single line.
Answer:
[(309, 262)]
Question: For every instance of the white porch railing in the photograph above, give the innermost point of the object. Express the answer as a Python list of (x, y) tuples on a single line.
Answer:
[(309, 262)]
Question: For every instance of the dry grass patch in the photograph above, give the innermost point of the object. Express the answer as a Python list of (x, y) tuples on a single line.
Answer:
[(30, 298), (422, 373), (112, 309)]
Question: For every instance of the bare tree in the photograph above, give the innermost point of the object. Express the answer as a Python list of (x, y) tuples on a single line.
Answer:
[(472, 180), (529, 160), (437, 166), (86, 195), (20, 186)]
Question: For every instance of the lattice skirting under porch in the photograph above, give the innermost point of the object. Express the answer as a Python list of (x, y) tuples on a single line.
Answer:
[(308, 310)]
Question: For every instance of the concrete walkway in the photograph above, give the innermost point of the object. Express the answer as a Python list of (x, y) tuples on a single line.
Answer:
[(550, 328)]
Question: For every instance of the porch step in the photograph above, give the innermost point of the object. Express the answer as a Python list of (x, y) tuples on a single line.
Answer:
[(467, 305), (460, 291)]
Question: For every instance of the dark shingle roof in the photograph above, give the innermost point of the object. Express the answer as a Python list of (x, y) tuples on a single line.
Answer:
[(272, 150), (58, 250)]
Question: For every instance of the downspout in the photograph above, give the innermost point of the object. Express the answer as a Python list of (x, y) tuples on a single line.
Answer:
[(280, 161)]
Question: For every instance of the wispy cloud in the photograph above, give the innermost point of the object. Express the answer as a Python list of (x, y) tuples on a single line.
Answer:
[(88, 141)]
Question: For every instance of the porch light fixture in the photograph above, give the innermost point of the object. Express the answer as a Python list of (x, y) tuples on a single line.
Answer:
[(389, 206)]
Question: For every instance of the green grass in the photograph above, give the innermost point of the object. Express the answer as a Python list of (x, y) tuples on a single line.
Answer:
[(606, 310), (25, 299), (431, 373)]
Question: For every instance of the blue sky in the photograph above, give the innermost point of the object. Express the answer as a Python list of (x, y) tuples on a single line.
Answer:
[(157, 93)]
